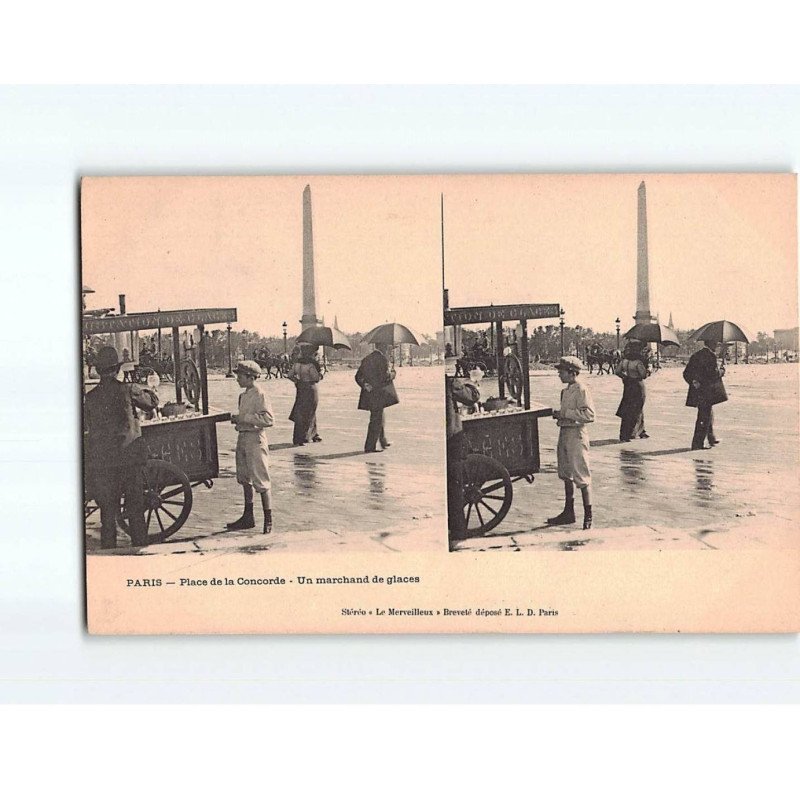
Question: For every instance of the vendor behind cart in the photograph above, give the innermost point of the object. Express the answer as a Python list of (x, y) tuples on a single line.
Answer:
[(115, 451), (457, 391)]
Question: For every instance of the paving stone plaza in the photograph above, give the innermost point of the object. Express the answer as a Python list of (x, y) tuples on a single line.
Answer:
[(657, 493), (652, 493), (330, 495)]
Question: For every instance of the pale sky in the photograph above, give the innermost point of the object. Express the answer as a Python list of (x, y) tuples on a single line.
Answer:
[(214, 242), (720, 246)]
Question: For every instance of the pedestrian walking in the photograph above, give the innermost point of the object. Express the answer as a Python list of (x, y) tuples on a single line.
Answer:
[(633, 371), (706, 390), (306, 375), (127, 366), (115, 451), (376, 379), (252, 447), (576, 411)]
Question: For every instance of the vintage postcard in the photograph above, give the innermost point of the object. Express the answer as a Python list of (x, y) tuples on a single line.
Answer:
[(441, 404)]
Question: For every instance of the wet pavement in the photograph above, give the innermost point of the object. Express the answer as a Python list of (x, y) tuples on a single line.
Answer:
[(657, 493), (330, 495), (648, 494)]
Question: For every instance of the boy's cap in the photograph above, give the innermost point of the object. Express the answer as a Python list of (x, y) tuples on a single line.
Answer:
[(570, 363), (248, 367)]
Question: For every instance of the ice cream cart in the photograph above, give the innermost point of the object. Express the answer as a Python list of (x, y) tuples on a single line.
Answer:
[(182, 438), (503, 436)]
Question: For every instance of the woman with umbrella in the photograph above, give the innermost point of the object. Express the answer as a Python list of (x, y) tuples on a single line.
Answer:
[(633, 371), (305, 375)]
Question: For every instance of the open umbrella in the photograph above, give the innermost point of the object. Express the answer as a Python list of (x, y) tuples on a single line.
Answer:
[(327, 337), (721, 331), (653, 332), (393, 333)]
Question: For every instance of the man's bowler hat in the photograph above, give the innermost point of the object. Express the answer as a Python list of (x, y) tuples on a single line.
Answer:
[(107, 359)]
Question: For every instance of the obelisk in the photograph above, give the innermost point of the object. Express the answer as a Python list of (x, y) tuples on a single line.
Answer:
[(642, 265), (309, 318)]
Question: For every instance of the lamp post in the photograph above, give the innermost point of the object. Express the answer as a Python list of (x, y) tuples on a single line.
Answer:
[(561, 325), (229, 373), (284, 338), (616, 322)]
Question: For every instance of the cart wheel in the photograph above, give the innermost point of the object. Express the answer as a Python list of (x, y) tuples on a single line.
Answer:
[(167, 500), (89, 507), (191, 381), (488, 492), (513, 375)]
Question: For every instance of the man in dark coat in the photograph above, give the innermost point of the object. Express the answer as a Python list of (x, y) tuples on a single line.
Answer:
[(457, 391), (115, 451), (376, 379), (705, 391)]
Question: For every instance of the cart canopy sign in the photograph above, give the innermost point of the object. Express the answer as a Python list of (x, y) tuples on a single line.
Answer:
[(474, 314), (159, 319)]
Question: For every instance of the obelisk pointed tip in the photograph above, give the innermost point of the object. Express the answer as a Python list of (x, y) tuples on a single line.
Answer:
[(309, 316), (641, 186)]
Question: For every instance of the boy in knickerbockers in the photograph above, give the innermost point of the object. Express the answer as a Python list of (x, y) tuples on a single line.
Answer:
[(252, 447), (577, 410)]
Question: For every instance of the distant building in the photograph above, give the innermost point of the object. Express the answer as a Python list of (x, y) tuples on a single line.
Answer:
[(787, 339)]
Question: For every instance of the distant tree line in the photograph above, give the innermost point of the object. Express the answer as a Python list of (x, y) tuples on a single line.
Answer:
[(544, 342), (244, 343)]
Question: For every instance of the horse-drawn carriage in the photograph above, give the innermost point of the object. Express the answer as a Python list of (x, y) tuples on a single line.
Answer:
[(279, 366), (182, 441), (597, 356), (150, 364), (502, 438), (486, 362), (479, 357)]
